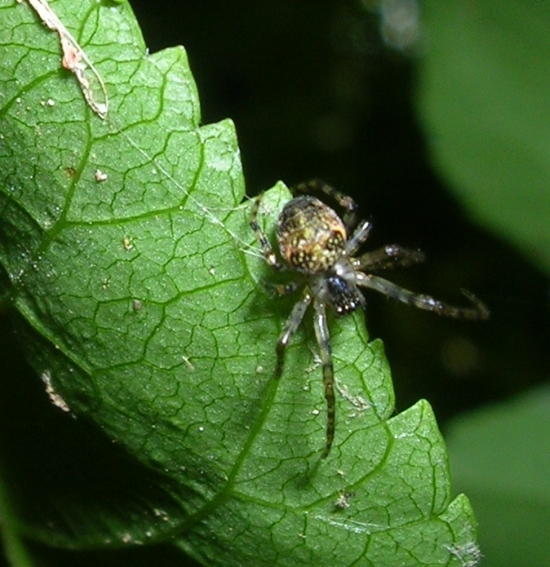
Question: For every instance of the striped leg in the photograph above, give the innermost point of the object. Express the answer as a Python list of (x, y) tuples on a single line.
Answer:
[(360, 235), (478, 311), (289, 330), (387, 257), (346, 202), (269, 254), (323, 340)]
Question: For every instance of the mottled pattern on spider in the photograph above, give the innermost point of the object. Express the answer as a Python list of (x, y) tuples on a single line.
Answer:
[(318, 245)]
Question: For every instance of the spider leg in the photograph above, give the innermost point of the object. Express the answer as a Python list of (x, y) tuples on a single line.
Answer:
[(323, 340), (387, 257), (478, 311), (269, 254), (346, 202), (290, 328), (360, 234)]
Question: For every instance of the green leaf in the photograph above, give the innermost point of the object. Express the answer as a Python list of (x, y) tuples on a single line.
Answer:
[(513, 505), (138, 283), (483, 98)]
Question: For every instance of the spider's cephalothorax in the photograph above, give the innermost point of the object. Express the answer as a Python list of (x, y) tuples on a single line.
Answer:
[(316, 244)]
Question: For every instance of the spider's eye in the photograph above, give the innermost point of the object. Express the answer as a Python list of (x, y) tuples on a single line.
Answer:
[(343, 297)]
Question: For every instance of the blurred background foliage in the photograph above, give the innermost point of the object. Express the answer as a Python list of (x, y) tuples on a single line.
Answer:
[(364, 94)]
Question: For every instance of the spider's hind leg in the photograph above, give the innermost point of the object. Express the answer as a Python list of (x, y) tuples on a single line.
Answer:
[(345, 201)]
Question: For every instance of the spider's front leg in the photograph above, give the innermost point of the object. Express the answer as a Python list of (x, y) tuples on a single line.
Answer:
[(388, 257), (325, 352), (479, 310)]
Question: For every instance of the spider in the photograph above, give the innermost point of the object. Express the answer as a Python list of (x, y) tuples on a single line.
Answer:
[(319, 246)]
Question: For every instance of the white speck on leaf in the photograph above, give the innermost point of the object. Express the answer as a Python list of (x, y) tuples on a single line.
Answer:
[(100, 176)]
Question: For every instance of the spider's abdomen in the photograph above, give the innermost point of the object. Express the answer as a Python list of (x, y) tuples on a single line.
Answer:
[(311, 235)]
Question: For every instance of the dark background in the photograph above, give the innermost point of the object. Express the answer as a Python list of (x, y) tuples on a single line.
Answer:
[(315, 92)]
